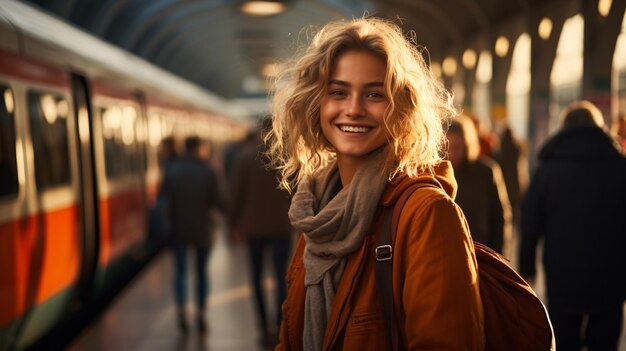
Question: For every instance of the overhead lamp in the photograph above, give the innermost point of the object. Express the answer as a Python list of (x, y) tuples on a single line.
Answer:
[(604, 7), (469, 58), (502, 46), (262, 8), (449, 66), (545, 28)]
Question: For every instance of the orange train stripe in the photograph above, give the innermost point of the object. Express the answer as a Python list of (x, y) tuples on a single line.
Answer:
[(39, 256)]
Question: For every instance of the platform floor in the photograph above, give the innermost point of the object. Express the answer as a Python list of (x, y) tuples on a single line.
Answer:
[(143, 316)]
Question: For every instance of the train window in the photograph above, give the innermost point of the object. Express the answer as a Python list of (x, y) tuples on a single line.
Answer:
[(48, 127), (8, 164), (120, 148)]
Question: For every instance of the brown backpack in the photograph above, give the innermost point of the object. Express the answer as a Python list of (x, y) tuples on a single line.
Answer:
[(515, 319)]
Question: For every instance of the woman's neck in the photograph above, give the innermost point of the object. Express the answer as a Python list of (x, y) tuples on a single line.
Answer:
[(347, 168)]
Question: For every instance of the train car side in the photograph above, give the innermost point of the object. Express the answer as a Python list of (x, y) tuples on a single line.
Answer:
[(80, 132)]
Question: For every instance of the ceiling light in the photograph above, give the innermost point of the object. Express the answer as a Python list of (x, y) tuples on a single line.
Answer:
[(545, 28), (469, 59), (449, 66), (604, 7), (262, 8), (502, 46)]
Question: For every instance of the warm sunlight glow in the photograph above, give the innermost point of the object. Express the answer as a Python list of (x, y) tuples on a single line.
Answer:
[(568, 63), (518, 86), (484, 70)]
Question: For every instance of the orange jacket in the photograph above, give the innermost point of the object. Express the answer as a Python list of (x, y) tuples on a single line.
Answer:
[(436, 296)]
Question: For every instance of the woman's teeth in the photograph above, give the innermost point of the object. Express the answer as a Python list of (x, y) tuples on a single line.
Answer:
[(354, 129)]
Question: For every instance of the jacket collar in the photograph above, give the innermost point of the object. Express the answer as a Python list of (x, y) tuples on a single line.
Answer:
[(441, 176)]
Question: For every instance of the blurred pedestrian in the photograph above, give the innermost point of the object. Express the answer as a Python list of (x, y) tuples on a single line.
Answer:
[(168, 152), (482, 193), (230, 153), (508, 156), (159, 226), (358, 120), (576, 203), (487, 139), (191, 193), (258, 215)]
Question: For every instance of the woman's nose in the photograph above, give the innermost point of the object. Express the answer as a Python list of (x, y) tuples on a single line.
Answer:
[(355, 107)]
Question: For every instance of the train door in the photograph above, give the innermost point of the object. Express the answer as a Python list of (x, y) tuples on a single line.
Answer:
[(88, 198)]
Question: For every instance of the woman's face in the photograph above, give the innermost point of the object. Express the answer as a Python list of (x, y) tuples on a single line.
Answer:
[(353, 107)]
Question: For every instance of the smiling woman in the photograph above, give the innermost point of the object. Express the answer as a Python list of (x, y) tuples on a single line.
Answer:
[(353, 110), (357, 120)]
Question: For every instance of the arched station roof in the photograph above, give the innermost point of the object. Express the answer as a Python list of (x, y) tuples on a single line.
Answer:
[(214, 44)]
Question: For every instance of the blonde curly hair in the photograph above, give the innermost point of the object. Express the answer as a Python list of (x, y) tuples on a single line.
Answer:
[(418, 104)]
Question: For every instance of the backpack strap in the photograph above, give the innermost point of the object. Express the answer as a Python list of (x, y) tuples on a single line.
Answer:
[(384, 262), (384, 277)]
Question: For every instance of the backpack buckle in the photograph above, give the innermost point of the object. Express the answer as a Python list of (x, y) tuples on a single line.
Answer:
[(384, 252)]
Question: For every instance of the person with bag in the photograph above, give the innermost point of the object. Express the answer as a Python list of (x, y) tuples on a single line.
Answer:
[(357, 120)]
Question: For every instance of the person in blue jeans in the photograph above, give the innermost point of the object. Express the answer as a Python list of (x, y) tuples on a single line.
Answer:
[(258, 215), (191, 194)]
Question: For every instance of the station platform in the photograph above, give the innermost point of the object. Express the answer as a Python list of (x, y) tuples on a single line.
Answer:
[(143, 316)]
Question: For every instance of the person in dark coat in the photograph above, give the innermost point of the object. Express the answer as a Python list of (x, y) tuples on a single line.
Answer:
[(482, 193), (191, 193), (258, 215), (576, 202), (508, 157)]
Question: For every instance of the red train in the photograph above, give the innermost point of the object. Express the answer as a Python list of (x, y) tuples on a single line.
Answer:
[(80, 126)]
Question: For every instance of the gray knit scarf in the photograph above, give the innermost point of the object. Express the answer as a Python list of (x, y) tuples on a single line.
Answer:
[(334, 227)]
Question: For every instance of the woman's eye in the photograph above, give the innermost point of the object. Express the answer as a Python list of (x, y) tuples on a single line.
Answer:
[(336, 93), (375, 95)]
